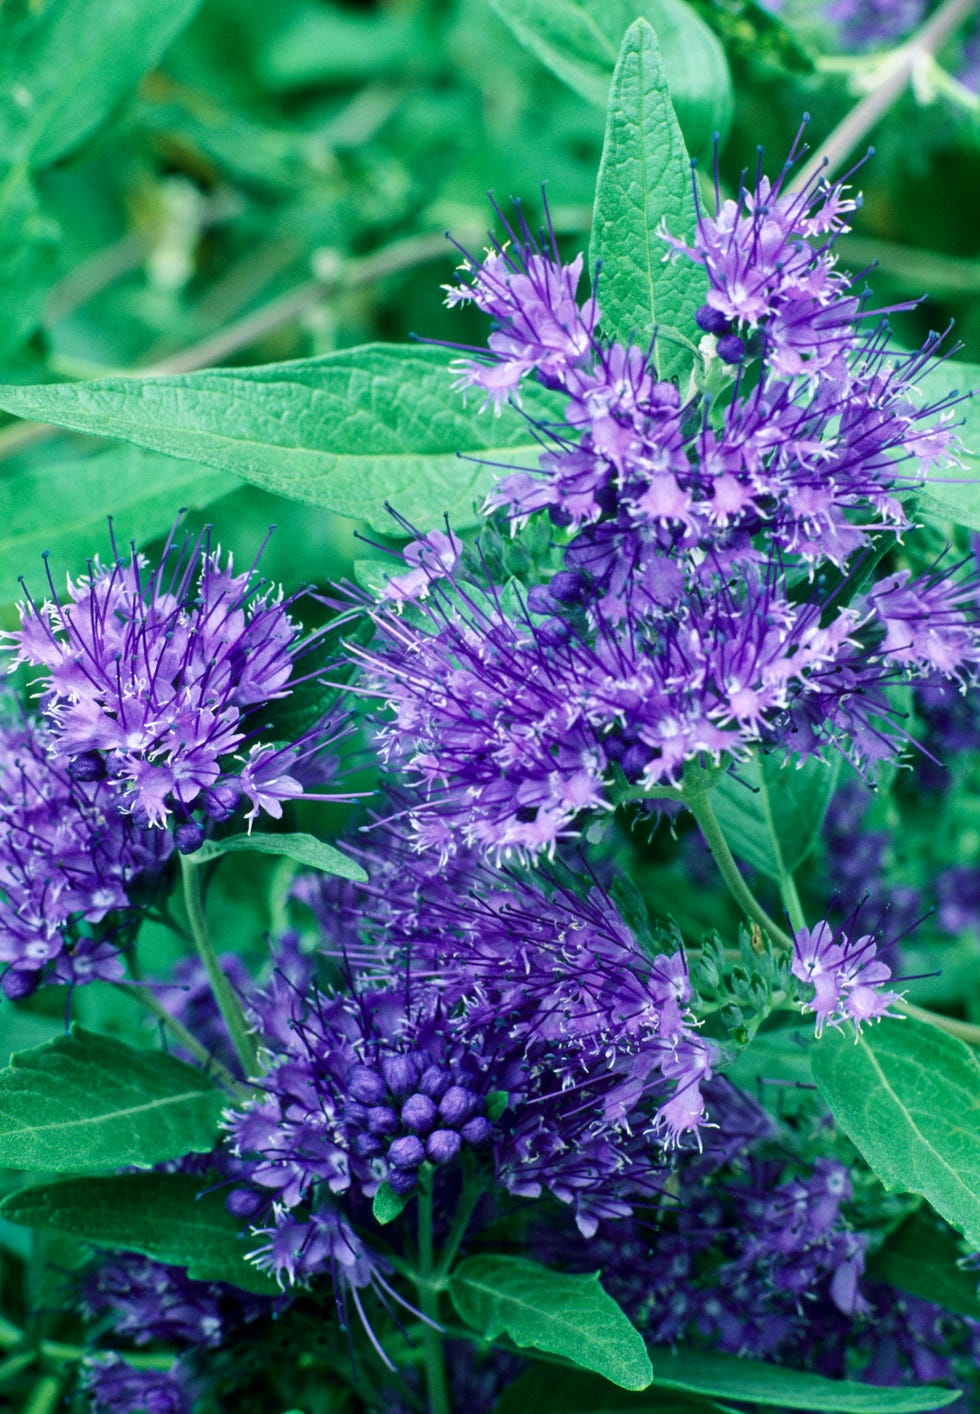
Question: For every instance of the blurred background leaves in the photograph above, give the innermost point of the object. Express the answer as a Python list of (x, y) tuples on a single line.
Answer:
[(227, 182)]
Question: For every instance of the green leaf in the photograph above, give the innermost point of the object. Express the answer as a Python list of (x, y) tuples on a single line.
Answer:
[(304, 849), (922, 1258), (346, 432), (550, 1390), (908, 1096), (771, 809), (954, 494), (580, 39), (496, 1104), (65, 66), (388, 1205), (170, 1217), (755, 1382), (564, 1315), (644, 178), (89, 1102), (142, 491)]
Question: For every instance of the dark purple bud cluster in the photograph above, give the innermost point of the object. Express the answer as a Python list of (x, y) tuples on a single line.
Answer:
[(405, 1110)]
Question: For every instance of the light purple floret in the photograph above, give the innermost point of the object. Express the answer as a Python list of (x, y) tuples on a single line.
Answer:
[(848, 976)]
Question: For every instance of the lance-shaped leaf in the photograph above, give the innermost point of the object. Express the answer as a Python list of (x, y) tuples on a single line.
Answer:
[(644, 178), (140, 490), (696, 1382), (908, 1096), (579, 41), (771, 809), (564, 1315), (304, 849), (756, 1382), (346, 432), (171, 1217), (85, 1101)]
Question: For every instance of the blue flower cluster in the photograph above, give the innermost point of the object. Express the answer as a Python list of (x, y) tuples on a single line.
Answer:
[(470, 1031), (710, 596)]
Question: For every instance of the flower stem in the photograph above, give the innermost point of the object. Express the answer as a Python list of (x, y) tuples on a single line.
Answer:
[(791, 902), (428, 1289), (468, 1200), (963, 1030), (224, 994), (190, 1043), (895, 76), (701, 808)]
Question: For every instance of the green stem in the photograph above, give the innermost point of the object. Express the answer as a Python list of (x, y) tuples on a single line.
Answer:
[(190, 1043), (894, 77), (701, 808), (963, 1030), (224, 994), (45, 1396), (468, 1200), (791, 902), (428, 1290)]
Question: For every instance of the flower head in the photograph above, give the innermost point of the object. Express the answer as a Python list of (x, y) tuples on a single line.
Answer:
[(71, 867), (153, 680), (847, 976), (524, 1028), (115, 1387)]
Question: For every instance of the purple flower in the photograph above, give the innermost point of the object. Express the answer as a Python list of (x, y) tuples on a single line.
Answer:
[(829, 428), (768, 257), (153, 680), (71, 867), (514, 719), (540, 326), (435, 555), (930, 623), (847, 976), (151, 1301), (295, 1250), (873, 24), (114, 1387), (472, 997)]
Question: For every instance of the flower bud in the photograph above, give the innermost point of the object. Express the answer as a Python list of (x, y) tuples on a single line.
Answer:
[(86, 766), (477, 1130), (401, 1074), (567, 586), (731, 349), (367, 1146), (382, 1120), (220, 801), (419, 1113), (711, 320), (365, 1084), (442, 1146), (457, 1105), (434, 1082), (407, 1152), (18, 983), (189, 836), (245, 1202), (402, 1181)]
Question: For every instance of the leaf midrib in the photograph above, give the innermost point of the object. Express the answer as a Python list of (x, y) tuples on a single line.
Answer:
[(106, 1115)]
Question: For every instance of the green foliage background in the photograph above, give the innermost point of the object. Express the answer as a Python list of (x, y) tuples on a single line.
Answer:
[(263, 189)]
